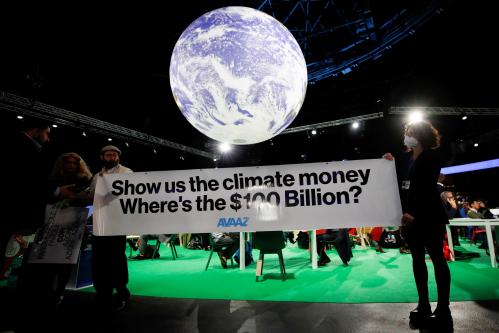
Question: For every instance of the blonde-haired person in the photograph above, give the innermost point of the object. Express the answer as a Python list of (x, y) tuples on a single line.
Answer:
[(69, 185), (424, 221), (70, 180)]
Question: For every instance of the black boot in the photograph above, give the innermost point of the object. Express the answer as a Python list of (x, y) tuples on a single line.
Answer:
[(441, 320), (419, 317)]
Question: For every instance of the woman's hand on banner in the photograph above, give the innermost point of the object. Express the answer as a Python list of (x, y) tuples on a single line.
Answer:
[(407, 219), (388, 156)]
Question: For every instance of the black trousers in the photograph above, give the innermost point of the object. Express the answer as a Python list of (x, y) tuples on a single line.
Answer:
[(429, 237), (109, 266), (341, 242)]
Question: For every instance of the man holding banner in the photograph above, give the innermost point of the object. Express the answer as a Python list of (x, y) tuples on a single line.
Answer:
[(109, 262)]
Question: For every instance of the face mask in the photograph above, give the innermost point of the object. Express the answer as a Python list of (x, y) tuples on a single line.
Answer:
[(410, 142)]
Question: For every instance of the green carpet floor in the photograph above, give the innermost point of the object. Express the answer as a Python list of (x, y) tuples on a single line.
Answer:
[(370, 277)]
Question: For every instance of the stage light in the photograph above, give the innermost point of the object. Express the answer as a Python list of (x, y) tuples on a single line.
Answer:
[(109, 139), (154, 151), (314, 132), (355, 125), (54, 125), (83, 133), (214, 160), (126, 144), (464, 117), (224, 147), (489, 164), (415, 116), (476, 144), (20, 117)]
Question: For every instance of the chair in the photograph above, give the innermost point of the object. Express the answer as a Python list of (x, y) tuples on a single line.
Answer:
[(171, 242), (131, 240), (269, 242), (364, 239), (216, 248)]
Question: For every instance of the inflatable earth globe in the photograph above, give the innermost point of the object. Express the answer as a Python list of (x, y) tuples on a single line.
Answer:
[(238, 75)]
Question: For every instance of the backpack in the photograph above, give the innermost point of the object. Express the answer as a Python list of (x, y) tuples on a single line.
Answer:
[(248, 255), (390, 239)]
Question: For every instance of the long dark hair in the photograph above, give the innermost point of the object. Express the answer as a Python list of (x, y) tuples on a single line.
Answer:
[(425, 133)]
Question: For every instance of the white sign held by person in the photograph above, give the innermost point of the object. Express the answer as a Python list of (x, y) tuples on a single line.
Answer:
[(60, 239), (278, 197)]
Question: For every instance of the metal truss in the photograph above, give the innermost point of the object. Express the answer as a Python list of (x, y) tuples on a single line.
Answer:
[(336, 37), (333, 123), (25, 106), (446, 111)]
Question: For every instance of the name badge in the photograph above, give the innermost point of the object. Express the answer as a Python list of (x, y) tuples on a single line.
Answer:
[(406, 184)]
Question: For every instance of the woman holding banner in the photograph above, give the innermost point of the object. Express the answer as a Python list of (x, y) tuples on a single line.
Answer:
[(68, 186), (424, 221)]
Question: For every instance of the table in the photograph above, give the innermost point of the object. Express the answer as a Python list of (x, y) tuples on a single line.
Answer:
[(487, 223)]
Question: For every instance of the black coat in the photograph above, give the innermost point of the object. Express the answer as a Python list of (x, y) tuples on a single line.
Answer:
[(25, 172), (422, 199)]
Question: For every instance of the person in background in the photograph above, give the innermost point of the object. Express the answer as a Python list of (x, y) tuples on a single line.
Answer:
[(68, 186), (25, 181), (142, 245), (440, 183), (451, 209), (109, 262), (341, 242), (478, 210), (424, 221), (485, 211), (25, 171), (228, 243)]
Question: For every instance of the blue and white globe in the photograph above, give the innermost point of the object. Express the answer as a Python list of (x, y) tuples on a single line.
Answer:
[(238, 75)]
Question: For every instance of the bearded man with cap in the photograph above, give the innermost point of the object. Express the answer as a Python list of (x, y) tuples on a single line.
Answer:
[(109, 262)]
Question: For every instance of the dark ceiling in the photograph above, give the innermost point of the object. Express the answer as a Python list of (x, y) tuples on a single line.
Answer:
[(111, 63)]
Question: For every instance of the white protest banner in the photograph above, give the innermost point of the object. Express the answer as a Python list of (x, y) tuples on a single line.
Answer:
[(279, 197), (60, 239)]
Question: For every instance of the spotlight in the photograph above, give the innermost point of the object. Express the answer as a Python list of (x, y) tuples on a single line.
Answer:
[(464, 117), (355, 125), (476, 144), (109, 139), (154, 151), (415, 116), (83, 133), (314, 132), (54, 125), (224, 147), (214, 160), (126, 144), (20, 117)]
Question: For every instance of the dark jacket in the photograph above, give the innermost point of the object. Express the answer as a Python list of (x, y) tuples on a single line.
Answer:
[(25, 174), (421, 199)]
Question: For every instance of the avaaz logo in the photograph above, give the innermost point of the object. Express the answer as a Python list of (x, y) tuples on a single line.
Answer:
[(232, 222)]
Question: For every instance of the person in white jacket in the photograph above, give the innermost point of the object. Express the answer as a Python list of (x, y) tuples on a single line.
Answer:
[(109, 261)]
